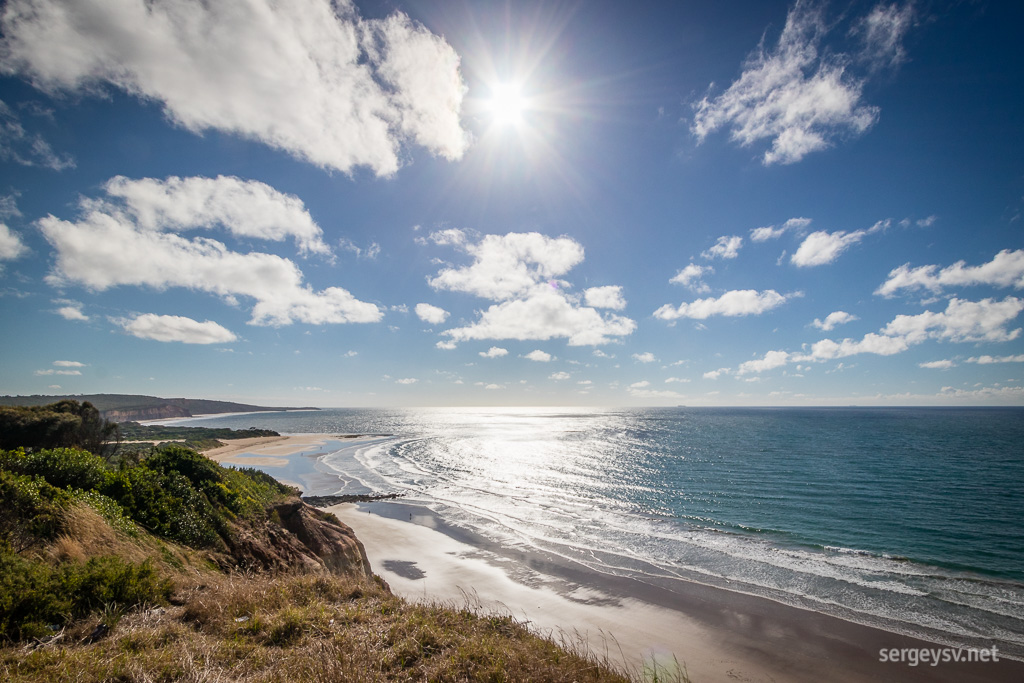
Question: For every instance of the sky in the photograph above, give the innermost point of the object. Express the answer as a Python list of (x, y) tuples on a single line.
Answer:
[(413, 203)]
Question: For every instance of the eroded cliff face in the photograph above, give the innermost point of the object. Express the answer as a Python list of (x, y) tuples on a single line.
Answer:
[(306, 538)]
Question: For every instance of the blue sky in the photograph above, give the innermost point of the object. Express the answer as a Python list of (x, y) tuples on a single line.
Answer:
[(485, 203)]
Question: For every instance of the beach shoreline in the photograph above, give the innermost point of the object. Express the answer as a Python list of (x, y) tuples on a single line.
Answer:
[(715, 633)]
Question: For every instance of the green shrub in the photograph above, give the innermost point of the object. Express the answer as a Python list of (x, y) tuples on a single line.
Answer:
[(31, 509), (35, 597), (67, 468)]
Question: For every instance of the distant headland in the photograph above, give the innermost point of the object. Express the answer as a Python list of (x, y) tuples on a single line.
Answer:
[(131, 407)]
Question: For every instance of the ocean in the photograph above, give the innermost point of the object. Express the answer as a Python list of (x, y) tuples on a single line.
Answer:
[(907, 519)]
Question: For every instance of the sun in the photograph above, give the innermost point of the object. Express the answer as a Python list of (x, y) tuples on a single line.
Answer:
[(507, 104)]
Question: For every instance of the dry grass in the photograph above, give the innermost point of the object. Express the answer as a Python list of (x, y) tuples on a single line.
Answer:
[(307, 628)]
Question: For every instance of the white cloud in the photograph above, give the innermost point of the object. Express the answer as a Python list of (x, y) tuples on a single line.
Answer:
[(245, 208), (493, 387), (431, 314), (833, 320), (598, 353), (371, 252), (559, 376), (733, 303), (350, 354), (681, 380), (310, 77), (106, 248), (538, 356), (715, 374), (494, 352), (507, 266), (822, 247), (72, 313), (988, 360), (49, 372), (605, 297), (68, 364), (11, 246), (175, 328), (962, 321), (937, 365), (799, 95), (27, 149), (640, 385), (882, 33), (691, 275), (726, 247), (446, 345), (646, 357), (544, 314), (1006, 269), (770, 232), (517, 270), (771, 360), (406, 380)]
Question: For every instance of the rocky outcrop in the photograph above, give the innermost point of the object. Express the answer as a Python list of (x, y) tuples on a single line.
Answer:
[(334, 543), (306, 538)]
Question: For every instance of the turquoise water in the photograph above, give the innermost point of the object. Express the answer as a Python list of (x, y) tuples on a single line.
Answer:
[(904, 518)]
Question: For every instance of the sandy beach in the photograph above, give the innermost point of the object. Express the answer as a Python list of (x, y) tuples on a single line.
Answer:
[(716, 634)]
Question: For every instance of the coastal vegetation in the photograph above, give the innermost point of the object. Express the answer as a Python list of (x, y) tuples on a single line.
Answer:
[(169, 566), (124, 407)]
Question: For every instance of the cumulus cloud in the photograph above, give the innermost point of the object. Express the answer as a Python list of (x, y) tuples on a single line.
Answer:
[(734, 303), (538, 356), (937, 365), (605, 297), (111, 246), (559, 376), (988, 360), (962, 321), (72, 311), (27, 149), (726, 247), (833, 320), (519, 271), (310, 77), (446, 345), (68, 364), (646, 357), (822, 247), (245, 208), (406, 380), (770, 232), (431, 314), (1006, 269), (11, 246), (176, 328), (507, 266), (799, 95), (770, 361), (715, 374), (640, 385), (691, 275), (494, 352)]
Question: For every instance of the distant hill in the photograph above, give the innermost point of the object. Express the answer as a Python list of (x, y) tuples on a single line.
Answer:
[(129, 407)]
